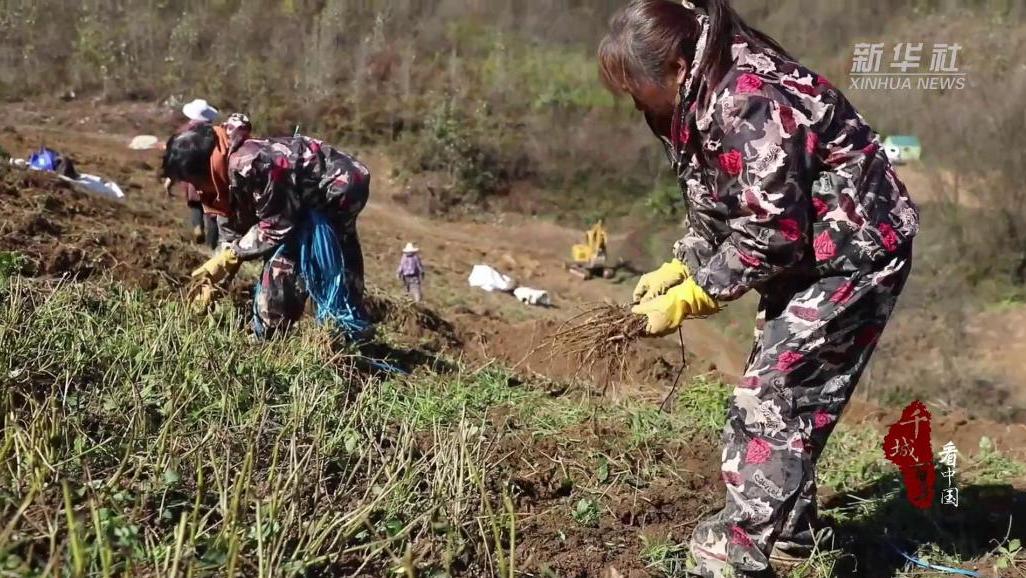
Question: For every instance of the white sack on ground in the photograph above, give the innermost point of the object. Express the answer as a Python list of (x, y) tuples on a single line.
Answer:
[(97, 186), (487, 278), (530, 296), (144, 142)]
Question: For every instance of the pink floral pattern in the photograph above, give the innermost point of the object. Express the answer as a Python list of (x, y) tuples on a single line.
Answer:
[(279, 169), (824, 246), (811, 144), (820, 206), (739, 537), (805, 161), (750, 260), (820, 418), (843, 293), (779, 150), (805, 313), (888, 237), (787, 120), (759, 451), (748, 83), (732, 163), (787, 360), (789, 229), (270, 199)]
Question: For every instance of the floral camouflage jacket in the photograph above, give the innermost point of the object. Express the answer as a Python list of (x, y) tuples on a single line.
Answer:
[(782, 177), (275, 181)]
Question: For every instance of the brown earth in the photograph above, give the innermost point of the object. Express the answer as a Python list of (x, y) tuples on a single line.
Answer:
[(662, 509), (67, 232)]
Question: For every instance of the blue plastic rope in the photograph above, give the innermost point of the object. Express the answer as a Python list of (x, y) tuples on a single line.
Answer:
[(385, 366), (322, 266), (923, 564)]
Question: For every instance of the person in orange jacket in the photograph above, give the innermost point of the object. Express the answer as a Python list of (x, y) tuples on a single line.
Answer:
[(203, 223)]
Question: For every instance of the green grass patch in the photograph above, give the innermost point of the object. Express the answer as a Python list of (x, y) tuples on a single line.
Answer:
[(991, 466), (1012, 300), (12, 263), (664, 556), (853, 459), (703, 404)]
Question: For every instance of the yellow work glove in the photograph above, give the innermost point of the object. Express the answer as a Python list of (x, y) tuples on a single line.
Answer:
[(210, 278), (202, 297), (224, 265), (656, 283), (666, 312)]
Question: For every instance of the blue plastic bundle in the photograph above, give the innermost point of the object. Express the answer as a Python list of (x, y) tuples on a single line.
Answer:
[(322, 266), (44, 159)]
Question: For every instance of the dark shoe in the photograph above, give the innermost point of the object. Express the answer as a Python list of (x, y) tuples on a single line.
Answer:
[(783, 560), (197, 234), (790, 554)]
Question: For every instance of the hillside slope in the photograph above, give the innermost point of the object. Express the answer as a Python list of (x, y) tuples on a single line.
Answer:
[(476, 462)]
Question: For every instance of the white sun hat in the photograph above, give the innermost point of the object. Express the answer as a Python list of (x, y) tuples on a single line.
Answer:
[(410, 248), (199, 109)]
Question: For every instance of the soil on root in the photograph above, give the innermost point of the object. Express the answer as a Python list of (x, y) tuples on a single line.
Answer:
[(646, 371), (603, 334)]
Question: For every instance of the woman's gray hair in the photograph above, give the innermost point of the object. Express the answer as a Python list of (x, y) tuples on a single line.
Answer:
[(644, 39), (647, 36)]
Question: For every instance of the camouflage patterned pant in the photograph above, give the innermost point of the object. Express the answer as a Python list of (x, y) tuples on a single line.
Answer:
[(811, 346), (280, 296)]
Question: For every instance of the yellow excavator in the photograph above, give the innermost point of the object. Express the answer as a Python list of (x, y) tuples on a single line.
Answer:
[(589, 259)]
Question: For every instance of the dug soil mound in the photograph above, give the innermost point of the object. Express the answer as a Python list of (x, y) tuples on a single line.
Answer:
[(66, 233), (413, 321), (559, 538)]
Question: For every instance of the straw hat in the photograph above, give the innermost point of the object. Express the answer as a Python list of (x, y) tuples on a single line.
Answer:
[(410, 248), (199, 109)]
